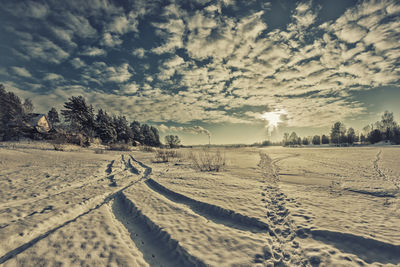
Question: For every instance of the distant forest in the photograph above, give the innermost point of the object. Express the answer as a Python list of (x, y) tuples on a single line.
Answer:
[(387, 129), (80, 124)]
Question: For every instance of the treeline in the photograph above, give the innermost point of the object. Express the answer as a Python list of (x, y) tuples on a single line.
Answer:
[(81, 124), (13, 114), (387, 129)]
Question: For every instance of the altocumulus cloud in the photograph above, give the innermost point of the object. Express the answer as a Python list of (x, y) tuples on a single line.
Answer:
[(209, 61)]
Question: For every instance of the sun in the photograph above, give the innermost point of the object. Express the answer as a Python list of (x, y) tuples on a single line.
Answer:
[(273, 118)]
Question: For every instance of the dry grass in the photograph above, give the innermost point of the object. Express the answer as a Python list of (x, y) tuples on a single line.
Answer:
[(147, 149), (165, 155), (58, 147), (98, 151), (119, 147), (207, 160)]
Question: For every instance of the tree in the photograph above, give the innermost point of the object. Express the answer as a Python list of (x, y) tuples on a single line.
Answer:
[(293, 139), (316, 140), (147, 134), (105, 128), (156, 141), (396, 136), (53, 117), (285, 140), (28, 106), (124, 133), (375, 136), (12, 115), (80, 115), (351, 136), (305, 141), (363, 139), (172, 141), (338, 133), (387, 125), (137, 135), (324, 139)]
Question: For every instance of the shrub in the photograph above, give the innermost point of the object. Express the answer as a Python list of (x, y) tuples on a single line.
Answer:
[(206, 160), (99, 151), (147, 148), (58, 141), (165, 155), (119, 147), (58, 147)]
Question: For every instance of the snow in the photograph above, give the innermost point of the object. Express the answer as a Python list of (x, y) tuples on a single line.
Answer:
[(330, 206)]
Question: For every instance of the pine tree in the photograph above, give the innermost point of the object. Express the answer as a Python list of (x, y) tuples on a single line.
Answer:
[(316, 140), (28, 106), (124, 133), (79, 115), (105, 128), (338, 133), (148, 135), (324, 139), (351, 136), (156, 141), (12, 115), (136, 131), (53, 117)]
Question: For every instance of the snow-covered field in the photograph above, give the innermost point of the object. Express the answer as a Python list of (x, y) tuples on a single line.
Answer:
[(329, 207)]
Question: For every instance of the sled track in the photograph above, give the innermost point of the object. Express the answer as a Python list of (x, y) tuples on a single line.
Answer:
[(106, 200), (214, 213), (154, 242), (367, 249)]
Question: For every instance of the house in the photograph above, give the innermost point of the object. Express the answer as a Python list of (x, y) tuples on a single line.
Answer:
[(38, 122), (32, 125)]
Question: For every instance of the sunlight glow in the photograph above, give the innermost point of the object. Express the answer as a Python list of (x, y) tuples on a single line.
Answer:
[(273, 118)]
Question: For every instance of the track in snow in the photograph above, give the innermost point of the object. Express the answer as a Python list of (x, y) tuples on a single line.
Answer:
[(94, 206)]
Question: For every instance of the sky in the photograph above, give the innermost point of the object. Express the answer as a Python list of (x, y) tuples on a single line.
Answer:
[(225, 71)]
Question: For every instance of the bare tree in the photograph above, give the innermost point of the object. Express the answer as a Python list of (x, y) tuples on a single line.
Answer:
[(172, 141)]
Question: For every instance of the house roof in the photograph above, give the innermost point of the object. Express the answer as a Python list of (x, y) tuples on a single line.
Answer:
[(33, 122), (33, 118)]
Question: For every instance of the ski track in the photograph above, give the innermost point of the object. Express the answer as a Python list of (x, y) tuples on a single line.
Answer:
[(362, 247), (106, 200), (212, 212), (156, 244)]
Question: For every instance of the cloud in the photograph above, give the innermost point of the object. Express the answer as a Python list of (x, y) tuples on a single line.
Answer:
[(93, 52), (37, 10), (64, 35), (100, 73), (77, 63), (139, 52), (111, 40), (78, 24), (52, 77), (22, 72), (44, 50), (352, 33), (189, 129), (28, 10), (124, 24), (303, 15), (129, 88)]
